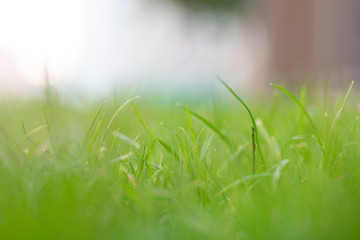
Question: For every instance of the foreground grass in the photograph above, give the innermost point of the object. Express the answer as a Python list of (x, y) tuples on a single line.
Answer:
[(145, 169)]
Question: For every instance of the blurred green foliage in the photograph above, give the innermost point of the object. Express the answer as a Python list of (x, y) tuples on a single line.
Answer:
[(71, 170)]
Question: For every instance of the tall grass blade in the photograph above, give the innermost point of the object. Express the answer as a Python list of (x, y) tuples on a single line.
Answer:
[(241, 101), (339, 113), (92, 124), (294, 99), (337, 120), (142, 121), (205, 147), (94, 136), (254, 135)]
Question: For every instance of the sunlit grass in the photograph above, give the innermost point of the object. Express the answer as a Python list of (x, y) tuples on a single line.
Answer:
[(139, 168)]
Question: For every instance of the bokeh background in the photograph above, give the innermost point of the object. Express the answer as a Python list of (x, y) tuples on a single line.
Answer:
[(96, 45)]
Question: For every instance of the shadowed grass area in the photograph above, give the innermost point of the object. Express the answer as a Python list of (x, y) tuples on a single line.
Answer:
[(151, 170)]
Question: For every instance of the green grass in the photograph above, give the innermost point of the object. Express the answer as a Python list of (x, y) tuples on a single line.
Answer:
[(148, 168)]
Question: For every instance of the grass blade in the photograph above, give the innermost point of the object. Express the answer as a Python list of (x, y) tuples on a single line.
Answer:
[(142, 121), (167, 148), (94, 136), (190, 125), (24, 130), (176, 135), (294, 99), (119, 109), (205, 147), (254, 131), (161, 142), (126, 139), (241, 101), (27, 135), (337, 120), (208, 124), (339, 113), (92, 124)]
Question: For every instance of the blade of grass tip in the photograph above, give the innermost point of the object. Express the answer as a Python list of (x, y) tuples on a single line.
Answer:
[(294, 99), (24, 129), (208, 124), (347, 94), (114, 116), (277, 172), (337, 119), (187, 137), (241, 101), (161, 142), (339, 113), (176, 135), (126, 139), (254, 127), (119, 109), (92, 124), (27, 135)]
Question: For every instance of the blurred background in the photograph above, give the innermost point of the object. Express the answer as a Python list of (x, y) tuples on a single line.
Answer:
[(96, 45)]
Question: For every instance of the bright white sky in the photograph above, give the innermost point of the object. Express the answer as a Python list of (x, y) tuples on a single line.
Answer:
[(41, 32), (96, 43)]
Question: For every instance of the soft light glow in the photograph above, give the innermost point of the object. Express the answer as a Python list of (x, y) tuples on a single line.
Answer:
[(41, 33)]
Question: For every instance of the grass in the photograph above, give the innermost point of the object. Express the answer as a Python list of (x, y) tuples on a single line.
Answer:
[(143, 168)]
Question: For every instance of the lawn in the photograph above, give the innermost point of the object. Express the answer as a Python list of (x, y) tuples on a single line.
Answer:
[(151, 168)]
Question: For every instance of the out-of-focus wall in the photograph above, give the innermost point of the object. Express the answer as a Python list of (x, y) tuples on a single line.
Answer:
[(313, 39)]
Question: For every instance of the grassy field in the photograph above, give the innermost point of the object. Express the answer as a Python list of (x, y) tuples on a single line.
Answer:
[(148, 168)]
